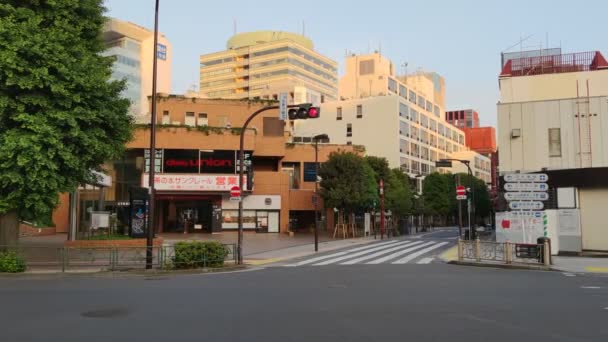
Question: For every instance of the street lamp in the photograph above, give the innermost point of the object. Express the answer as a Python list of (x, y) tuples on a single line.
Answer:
[(151, 191), (471, 201), (316, 138), (420, 203)]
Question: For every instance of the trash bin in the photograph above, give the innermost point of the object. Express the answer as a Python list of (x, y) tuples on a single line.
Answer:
[(541, 241)]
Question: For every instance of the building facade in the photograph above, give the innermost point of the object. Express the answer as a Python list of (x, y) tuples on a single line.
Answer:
[(264, 64), (553, 118), (197, 143), (133, 48), (467, 118), (398, 118)]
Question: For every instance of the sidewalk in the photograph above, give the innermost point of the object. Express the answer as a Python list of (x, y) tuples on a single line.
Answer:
[(580, 264)]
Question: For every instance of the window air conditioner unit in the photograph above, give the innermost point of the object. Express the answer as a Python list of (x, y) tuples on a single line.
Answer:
[(516, 133)]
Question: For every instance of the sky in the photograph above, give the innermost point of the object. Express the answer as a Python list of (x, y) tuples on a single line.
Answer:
[(461, 40)]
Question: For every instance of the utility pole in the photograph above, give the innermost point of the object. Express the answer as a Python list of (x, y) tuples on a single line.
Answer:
[(152, 197), (459, 212), (382, 209)]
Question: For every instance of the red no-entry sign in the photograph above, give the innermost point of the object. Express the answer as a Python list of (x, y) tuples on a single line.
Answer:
[(461, 192), (235, 193)]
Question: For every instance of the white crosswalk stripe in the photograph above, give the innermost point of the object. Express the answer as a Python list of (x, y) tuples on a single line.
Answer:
[(398, 254), (313, 260), (419, 253), (377, 254)]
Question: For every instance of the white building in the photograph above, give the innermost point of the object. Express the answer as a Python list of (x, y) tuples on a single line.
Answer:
[(133, 48), (553, 117), (398, 118)]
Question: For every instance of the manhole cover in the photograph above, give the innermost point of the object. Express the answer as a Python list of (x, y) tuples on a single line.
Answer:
[(106, 313)]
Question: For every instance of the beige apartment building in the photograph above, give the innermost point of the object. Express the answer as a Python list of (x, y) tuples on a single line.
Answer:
[(133, 48), (398, 118), (263, 64), (553, 118)]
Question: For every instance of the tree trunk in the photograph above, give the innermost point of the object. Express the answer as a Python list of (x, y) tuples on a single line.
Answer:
[(9, 229)]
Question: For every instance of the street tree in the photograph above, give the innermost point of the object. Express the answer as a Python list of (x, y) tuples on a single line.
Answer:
[(435, 194), (398, 194), (380, 167), (483, 204), (347, 182), (60, 115)]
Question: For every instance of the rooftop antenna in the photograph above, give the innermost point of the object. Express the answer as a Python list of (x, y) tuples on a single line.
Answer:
[(404, 68)]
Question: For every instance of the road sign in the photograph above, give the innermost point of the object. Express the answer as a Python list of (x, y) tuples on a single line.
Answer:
[(526, 214), (532, 205), (526, 177), (461, 190), (283, 106), (526, 187), (461, 197), (235, 193), (443, 163), (526, 196)]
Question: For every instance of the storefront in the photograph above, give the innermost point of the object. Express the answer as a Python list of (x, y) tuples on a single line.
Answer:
[(260, 213)]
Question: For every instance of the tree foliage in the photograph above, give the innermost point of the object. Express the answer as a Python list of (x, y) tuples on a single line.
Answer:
[(398, 193), (347, 182), (380, 167), (483, 203), (435, 194), (60, 115)]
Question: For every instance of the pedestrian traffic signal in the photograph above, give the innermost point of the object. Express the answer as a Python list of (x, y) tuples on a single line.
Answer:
[(306, 111)]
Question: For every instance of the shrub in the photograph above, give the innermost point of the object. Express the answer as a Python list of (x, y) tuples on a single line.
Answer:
[(199, 254), (10, 262)]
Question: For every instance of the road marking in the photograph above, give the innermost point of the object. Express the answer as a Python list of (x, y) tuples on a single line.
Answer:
[(597, 269), (382, 252), (590, 287), (425, 261), (400, 253), (352, 255), (419, 253), (310, 261), (567, 274)]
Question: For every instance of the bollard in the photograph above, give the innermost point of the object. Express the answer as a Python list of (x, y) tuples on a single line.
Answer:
[(547, 252), (478, 250), (508, 252), (460, 250)]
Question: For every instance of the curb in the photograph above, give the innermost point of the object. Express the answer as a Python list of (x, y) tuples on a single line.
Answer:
[(503, 266)]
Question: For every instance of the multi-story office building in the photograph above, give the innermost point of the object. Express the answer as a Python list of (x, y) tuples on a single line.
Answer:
[(133, 48), (464, 118), (398, 118), (553, 118), (264, 64)]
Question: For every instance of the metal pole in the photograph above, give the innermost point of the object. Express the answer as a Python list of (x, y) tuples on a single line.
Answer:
[(459, 213), (151, 220), (382, 209), (316, 195)]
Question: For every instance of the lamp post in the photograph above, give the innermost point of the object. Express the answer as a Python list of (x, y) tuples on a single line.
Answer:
[(316, 139), (151, 190), (420, 203)]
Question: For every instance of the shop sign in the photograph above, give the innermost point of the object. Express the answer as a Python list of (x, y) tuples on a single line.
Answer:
[(193, 182), (195, 161)]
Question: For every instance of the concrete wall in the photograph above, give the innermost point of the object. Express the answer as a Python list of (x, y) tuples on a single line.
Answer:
[(593, 218)]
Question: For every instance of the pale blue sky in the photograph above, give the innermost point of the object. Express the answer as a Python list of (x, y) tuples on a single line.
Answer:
[(461, 40)]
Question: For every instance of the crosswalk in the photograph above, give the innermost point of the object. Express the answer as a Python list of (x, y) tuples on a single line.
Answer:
[(396, 252)]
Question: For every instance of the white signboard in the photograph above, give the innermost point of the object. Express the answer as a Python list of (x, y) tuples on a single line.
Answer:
[(526, 177), (461, 197), (532, 205), (100, 219), (526, 187), (526, 196), (193, 182), (283, 106), (569, 224), (528, 214), (517, 229)]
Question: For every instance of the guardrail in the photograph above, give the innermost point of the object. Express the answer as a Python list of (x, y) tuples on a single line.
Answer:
[(106, 258), (507, 252)]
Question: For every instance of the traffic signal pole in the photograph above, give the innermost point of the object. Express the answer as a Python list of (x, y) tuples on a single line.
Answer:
[(239, 246), (381, 209)]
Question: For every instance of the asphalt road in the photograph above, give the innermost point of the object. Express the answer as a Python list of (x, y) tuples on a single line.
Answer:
[(435, 302)]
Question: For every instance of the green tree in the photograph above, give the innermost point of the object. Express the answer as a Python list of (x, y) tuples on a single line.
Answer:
[(483, 203), (60, 115), (347, 182), (435, 194), (398, 196), (380, 167)]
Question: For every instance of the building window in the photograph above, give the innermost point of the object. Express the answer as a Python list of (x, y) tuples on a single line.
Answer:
[(190, 119), (412, 97), (366, 67), (392, 85), (349, 143), (202, 119), (555, 142), (421, 102), (404, 111), (349, 130), (166, 117), (436, 111), (403, 91), (414, 115), (339, 113), (359, 111)]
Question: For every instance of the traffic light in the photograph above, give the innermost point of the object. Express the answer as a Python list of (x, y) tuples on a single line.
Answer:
[(303, 112)]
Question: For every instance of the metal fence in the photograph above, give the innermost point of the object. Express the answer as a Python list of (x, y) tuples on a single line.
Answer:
[(507, 253), (110, 258)]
